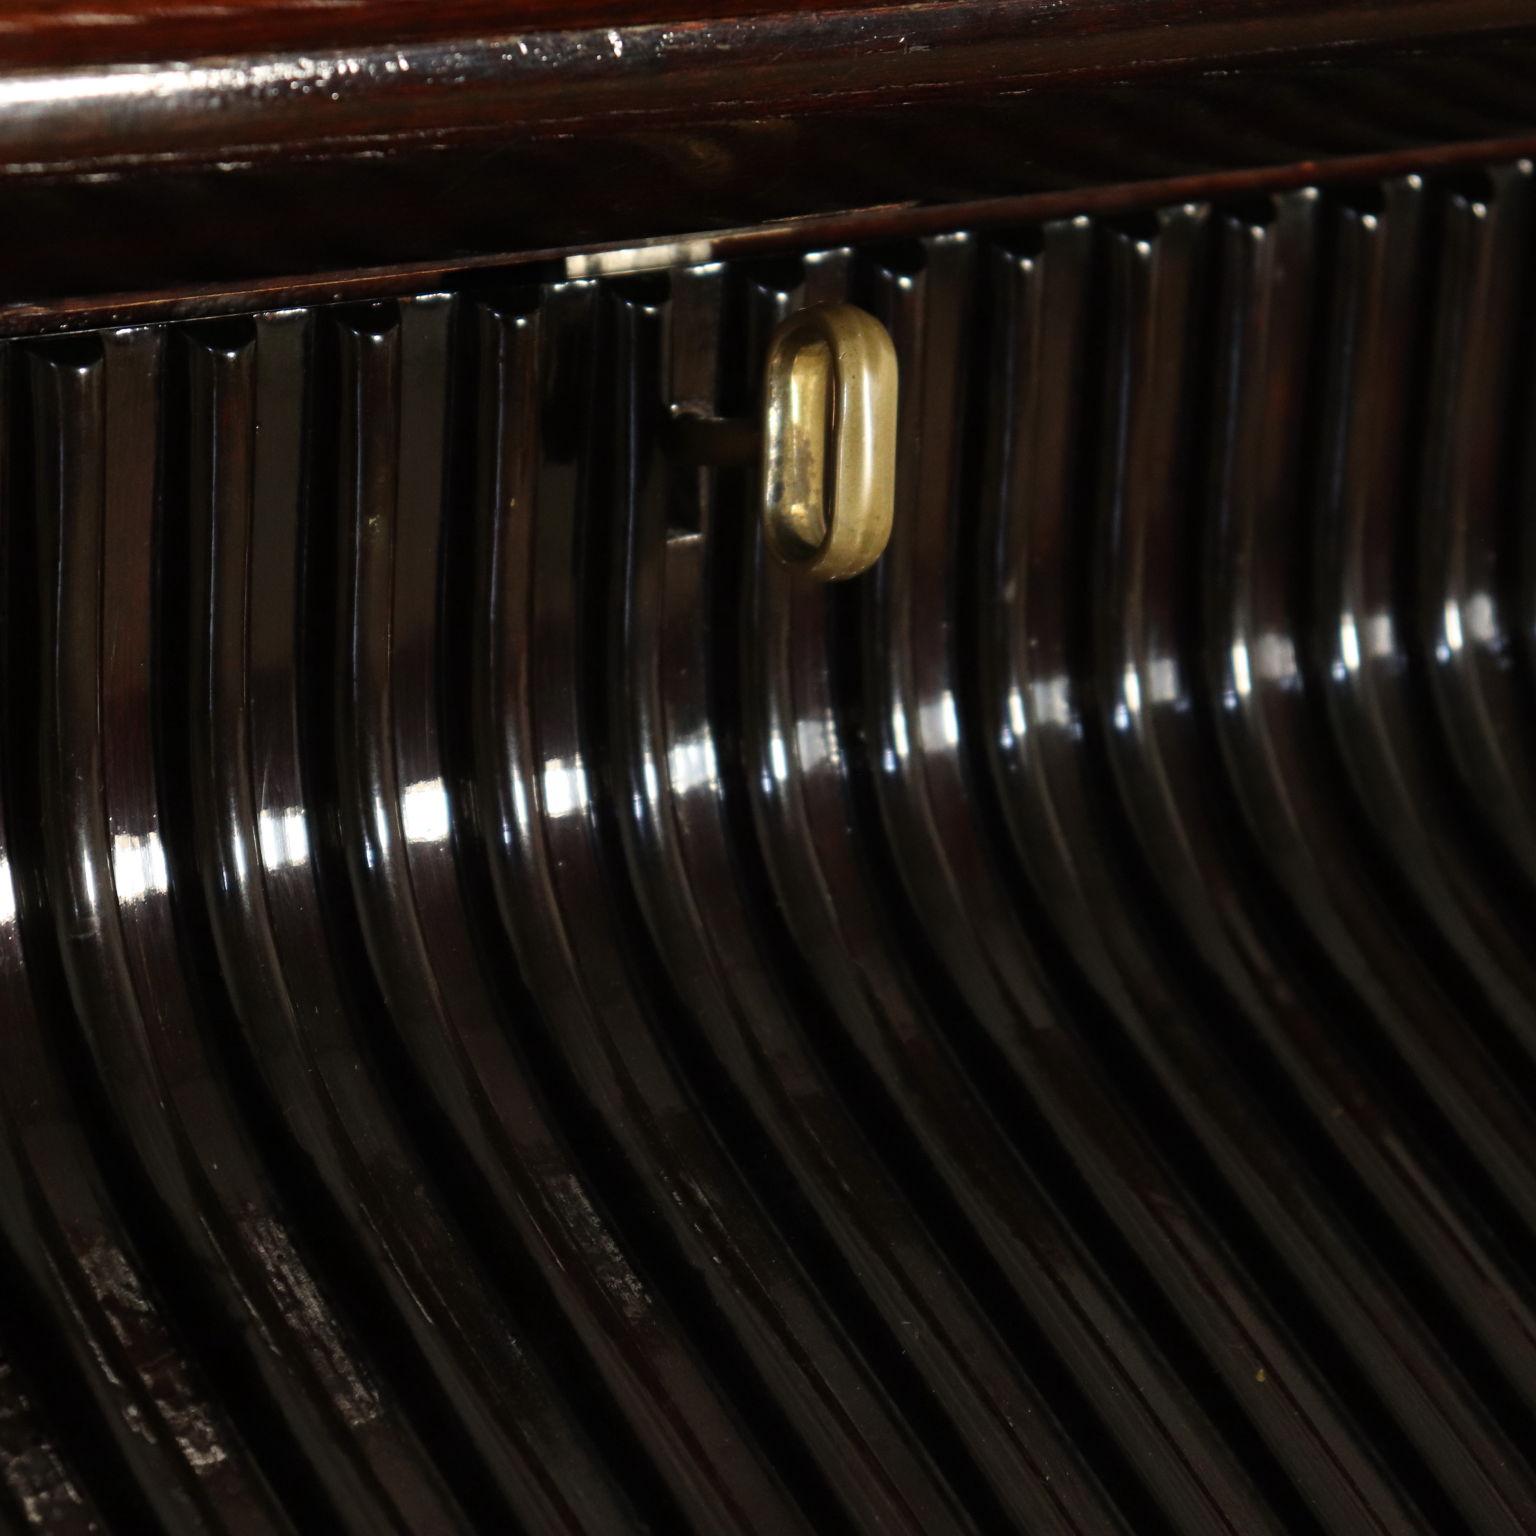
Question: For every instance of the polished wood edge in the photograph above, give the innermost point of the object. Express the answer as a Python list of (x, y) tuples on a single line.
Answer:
[(892, 221), (236, 111), (66, 35)]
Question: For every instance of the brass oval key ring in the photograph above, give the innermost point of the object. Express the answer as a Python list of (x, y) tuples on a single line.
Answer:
[(829, 441), (826, 440)]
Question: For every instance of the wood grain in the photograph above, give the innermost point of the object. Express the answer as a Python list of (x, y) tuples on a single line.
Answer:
[(509, 85), (64, 33), (171, 170)]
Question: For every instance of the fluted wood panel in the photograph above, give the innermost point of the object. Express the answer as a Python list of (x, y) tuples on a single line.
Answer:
[(519, 1015)]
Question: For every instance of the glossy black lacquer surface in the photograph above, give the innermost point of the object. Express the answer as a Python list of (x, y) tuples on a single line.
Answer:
[(519, 1015)]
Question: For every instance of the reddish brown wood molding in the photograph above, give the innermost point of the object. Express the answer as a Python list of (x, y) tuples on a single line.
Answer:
[(67, 34), (273, 141), (514, 82)]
